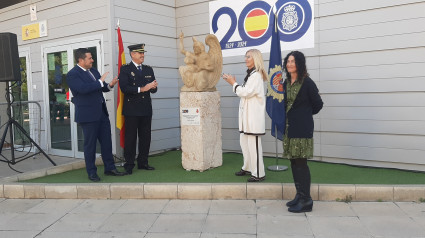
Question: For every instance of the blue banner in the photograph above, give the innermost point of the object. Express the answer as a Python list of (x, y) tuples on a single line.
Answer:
[(275, 105)]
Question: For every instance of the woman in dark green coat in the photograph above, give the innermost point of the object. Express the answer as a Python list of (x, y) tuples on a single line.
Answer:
[(302, 101)]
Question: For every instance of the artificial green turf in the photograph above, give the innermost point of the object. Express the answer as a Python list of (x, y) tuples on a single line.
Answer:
[(169, 170)]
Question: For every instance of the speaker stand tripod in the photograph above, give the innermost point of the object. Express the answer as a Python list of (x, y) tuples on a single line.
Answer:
[(8, 128)]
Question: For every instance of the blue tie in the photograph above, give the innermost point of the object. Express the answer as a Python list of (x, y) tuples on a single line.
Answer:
[(139, 68), (91, 75)]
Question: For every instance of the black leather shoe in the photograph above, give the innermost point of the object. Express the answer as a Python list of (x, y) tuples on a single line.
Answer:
[(303, 205), (294, 201), (94, 177), (146, 166), (114, 172), (242, 173), (129, 171)]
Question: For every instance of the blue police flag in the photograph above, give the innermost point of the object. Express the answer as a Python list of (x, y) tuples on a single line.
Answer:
[(275, 92)]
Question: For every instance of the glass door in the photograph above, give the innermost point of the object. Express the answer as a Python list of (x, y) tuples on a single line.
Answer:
[(65, 137), (21, 109)]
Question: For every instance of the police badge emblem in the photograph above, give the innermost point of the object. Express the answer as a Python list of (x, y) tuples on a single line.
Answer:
[(275, 85), (290, 18)]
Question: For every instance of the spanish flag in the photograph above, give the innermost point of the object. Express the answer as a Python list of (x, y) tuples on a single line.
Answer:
[(120, 97)]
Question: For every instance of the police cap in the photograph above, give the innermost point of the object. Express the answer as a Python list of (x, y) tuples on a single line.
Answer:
[(137, 48)]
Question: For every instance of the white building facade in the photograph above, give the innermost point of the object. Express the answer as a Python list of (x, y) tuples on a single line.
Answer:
[(368, 62)]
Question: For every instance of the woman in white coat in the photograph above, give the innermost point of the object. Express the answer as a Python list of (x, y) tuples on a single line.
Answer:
[(252, 108)]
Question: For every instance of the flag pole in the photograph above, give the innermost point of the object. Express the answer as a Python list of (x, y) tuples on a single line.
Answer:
[(277, 167)]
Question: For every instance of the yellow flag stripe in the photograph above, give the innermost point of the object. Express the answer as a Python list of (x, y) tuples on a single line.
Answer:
[(256, 23)]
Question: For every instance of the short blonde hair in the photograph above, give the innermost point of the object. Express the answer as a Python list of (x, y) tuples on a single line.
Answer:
[(258, 62)]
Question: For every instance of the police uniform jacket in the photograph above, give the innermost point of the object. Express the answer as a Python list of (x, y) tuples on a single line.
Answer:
[(252, 106), (307, 103), (130, 80)]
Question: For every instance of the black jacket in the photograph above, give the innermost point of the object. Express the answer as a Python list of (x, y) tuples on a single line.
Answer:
[(300, 117), (130, 79)]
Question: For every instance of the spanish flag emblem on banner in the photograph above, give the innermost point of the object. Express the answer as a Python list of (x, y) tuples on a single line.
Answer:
[(256, 23)]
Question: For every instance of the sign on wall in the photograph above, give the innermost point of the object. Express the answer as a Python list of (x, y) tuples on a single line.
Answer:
[(35, 30), (241, 25)]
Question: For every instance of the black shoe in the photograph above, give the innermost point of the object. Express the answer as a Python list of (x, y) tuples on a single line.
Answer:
[(294, 201), (94, 177), (146, 166), (129, 171), (114, 172), (242, 173), (256, 179), (303, 205)]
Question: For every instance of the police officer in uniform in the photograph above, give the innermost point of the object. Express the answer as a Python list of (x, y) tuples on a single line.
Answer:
[(137, 82)]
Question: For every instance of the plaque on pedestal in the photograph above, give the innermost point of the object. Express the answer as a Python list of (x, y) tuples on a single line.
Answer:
[(200, 120)]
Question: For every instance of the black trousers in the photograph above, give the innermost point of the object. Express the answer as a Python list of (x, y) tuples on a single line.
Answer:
[(134, 126)]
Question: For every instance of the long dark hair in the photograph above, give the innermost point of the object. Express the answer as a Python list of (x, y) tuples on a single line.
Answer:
[(299, 62)]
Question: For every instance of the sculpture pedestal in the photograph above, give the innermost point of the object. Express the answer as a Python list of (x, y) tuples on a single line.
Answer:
[(200, 121)]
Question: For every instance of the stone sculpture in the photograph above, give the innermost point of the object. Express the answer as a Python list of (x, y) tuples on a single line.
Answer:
[(202, 70)]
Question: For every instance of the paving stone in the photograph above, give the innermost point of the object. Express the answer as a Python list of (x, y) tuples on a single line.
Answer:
[(412, 209), (126, 191), (393, 226), (18, 205), (98, 206), (173, 235), (1, 191), (15, 234), (55, 206), (271, 207), (72, 234), (363, 209), (335, 191), (374, 193), (408, 193), (7, 216), (337, 226), (229, 191), (216, 235), (76, 222), (179, 223), (128, 223), (143, 206), (264, 191), (160, 191), (283, 225), (335, 209), (93, 191), (194, 191), (34, 191), (65, 191), (233, 207), (119, 235), (261, 235), (242, 224), (13, 191), (30, 222), (187, 206)]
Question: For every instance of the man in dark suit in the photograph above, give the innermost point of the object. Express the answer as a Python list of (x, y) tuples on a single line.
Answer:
[(87, 86), (137, 82)]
